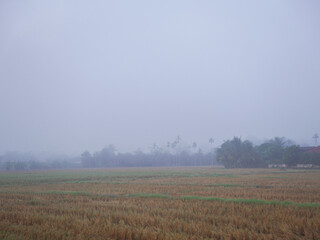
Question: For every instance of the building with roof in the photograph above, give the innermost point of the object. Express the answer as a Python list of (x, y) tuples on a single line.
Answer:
[(310, 149)]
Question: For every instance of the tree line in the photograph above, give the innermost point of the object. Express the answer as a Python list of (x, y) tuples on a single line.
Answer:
[(15, 161), (108, 157), (234, 153), (237, 153), (174, 153)]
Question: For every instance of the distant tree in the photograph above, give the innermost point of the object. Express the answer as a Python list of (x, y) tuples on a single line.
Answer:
[(278, 141), (236, 153), (211, 141), (19, 165), (194, 146), (168, 146), (8, 166), (315, 138), (310, 158), (291, 155), (86, 159), (106, 157), (314, 158), (271, 151), (37, 165), (85, 154), (175, 144)]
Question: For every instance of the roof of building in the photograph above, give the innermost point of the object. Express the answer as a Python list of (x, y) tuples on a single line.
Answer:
[(311, 149), (305, 149)]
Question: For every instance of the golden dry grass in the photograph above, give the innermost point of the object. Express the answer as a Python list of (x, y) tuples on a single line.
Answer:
[(160, 203)]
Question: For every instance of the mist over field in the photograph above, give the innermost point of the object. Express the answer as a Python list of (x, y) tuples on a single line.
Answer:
[(159, 120), (80, 75)]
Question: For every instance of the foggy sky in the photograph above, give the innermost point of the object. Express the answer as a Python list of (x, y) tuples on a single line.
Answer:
[(77, 75)]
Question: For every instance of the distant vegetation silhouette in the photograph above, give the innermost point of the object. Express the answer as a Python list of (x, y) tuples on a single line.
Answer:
[(235, 153)]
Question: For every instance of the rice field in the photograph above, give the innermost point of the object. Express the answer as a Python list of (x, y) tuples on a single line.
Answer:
[(160, 203)]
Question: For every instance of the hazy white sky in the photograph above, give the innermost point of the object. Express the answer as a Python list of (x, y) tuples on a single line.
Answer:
[(78, 75)]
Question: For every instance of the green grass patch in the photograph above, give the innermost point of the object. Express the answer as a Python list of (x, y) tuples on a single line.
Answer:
[(221, 175), (252, 201), (75, 193), (224, 185), (151, 195), (272, 177), (4, 236)]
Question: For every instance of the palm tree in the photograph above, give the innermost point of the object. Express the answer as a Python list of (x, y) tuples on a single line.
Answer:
[(315, 137), (211, 141), (194, 146), (279, 141), (168, 146)]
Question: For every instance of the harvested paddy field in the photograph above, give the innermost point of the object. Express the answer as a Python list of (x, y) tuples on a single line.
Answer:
[(160, 203)]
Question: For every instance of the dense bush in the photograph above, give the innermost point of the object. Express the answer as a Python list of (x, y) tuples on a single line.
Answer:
[(236, 153)]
